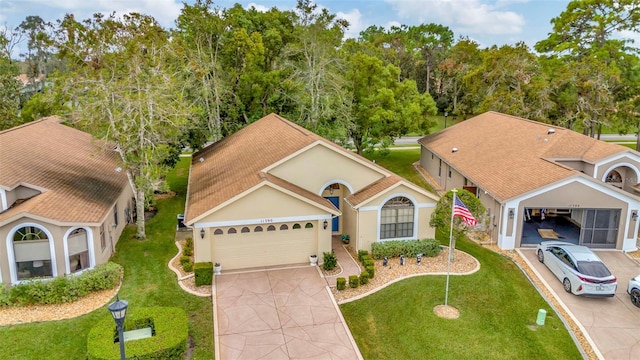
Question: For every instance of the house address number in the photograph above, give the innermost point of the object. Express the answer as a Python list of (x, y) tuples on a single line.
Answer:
[(265, 221)]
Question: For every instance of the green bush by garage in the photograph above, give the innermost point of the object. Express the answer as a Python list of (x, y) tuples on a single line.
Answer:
[(169, 326)]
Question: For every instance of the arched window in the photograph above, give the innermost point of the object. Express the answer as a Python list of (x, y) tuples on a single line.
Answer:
[(78, 246), (32, 253), (271, 228), (258, 229), (232, 231), (218, 232), (284, 227), (308, 226), (396, 218), (245, 230), (297, 226)]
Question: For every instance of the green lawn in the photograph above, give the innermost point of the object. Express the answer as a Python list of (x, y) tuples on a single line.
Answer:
[(400, 162), (147, 282), (498, 308)]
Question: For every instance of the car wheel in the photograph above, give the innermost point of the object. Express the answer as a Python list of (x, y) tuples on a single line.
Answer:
[(635, 297), (567, 285), (540, 256)]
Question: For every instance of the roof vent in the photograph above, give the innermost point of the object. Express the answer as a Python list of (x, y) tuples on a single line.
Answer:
[(551, 131), (118, 169), (455, 149), (201, 159)]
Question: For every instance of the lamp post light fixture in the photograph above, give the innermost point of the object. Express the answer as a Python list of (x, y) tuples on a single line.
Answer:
[(446, 114), (118, 310)]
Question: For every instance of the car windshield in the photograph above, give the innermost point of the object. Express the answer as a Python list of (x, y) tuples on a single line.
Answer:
[(593, 268)]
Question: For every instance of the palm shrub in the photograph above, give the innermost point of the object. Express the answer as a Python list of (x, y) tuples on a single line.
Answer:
[(329, 261)]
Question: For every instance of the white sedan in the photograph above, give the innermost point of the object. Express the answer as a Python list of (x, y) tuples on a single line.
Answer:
[(578, 268), (634, 290)]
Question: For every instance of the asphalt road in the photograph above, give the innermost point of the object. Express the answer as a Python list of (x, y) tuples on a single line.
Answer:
[(410, 140)]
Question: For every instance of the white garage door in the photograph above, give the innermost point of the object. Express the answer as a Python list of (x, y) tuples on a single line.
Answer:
[(264, 245)]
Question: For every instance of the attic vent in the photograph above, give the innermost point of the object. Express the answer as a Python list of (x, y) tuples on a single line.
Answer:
[(551, 131)]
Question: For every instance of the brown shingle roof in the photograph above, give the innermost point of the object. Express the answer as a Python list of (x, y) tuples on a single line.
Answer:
[(509, 156), (373, 189), (235, 164), (76, 173)]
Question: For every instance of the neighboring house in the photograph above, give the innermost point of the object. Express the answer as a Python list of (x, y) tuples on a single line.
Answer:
[(538, 181), (274, 193), (31, 85), (64, 201)]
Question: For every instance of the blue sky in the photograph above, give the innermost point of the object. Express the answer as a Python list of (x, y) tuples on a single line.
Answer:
[(489, 22)]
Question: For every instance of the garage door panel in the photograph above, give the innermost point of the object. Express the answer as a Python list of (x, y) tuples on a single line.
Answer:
[(267, 248)]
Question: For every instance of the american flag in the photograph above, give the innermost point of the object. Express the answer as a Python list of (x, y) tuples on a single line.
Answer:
[(460, 210)]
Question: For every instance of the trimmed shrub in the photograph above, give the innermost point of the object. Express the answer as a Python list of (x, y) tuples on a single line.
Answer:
[(354, 281), (408, 248), (188, 267), (203, 272), (362, 253), (169, 340), (341, 283), (364, 278), (367, 262), (5, 295), (187, 250), (64, 289), (184, 260), (330, 261), (371, 271)]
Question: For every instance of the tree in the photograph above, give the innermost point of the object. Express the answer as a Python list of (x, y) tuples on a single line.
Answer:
[(38, 57), (9, 86), (510, 80), (123, 87), (441, 217), (317, 84), (382, 107), (584, 37)]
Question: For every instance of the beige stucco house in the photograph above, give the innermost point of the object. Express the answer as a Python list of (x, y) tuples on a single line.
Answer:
[(63, 201), (274, 193), (539, 182)]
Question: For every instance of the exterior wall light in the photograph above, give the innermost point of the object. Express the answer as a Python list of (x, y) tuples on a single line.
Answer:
[(202, 232), (325, 224), (511, 214)]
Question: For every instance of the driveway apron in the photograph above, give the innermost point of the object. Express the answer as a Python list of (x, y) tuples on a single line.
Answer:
[(611, 324), (279, 314)]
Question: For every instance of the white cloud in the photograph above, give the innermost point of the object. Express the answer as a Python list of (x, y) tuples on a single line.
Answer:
[(356, 25), (164, 11), (260, 8), (464, 16)]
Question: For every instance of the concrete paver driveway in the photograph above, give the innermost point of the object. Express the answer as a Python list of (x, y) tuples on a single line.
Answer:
[(279, 314), (613, 324)]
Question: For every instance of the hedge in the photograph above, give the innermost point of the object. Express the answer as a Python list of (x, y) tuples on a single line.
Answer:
[(203, 272), (341, 283), (408, 248), (62, 289), (170, 341)]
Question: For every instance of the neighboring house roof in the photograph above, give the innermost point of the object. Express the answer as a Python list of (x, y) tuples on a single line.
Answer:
[(235, 164), (76, 174), (508, 156)]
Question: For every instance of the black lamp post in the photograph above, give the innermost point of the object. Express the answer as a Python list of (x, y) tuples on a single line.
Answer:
[(118, 310), (445, 119)]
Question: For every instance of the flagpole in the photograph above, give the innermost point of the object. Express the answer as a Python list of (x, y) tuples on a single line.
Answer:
[(453, 202)]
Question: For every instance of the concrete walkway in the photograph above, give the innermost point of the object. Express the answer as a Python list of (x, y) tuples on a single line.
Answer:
[(348, 265), (279, 313)]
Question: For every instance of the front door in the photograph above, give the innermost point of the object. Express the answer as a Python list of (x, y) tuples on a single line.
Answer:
[(335, 221)]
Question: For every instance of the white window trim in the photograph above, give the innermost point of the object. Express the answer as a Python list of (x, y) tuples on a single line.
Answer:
[(414, 236), (90, 246), (11, 257)]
